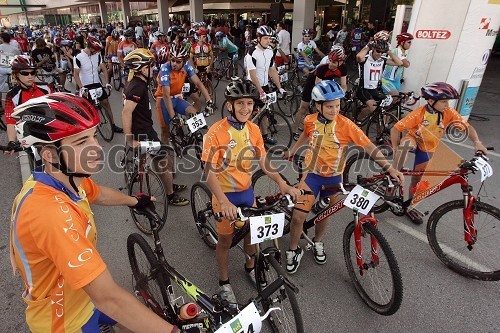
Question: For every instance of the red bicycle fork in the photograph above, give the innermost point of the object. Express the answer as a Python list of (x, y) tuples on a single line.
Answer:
[(358, 233), (470, 232)]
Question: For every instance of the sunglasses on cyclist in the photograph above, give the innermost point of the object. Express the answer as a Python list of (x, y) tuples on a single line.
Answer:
[(178, 61), (307, 36), (32, 73)]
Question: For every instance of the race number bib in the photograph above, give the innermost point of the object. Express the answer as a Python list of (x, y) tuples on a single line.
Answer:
[(247, 321), (284, 77), (95, 93), (281, 69), (149, 146), (196, 122), (272, 98), (386, 101), (361, 200), (115, 60), (185, 88), (266, 227), (5, 59), (484, 167)]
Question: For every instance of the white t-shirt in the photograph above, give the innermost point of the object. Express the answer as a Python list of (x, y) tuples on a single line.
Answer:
[(260, 60), (89, 67), (284, 38), (138, 31), (14, 43), (371, 71)]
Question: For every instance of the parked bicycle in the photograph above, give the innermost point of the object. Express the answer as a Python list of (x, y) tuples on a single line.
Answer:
[(462, 233), (155, 279), (369, 259), (140, 177)]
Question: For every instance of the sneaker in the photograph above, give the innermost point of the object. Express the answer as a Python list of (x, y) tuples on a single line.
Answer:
[(177, 200), (319, 253), (414, 216), (293, 260), (296, 136), (226, 293), (179, 187), (251, 278), (270, 140), (117, 129)]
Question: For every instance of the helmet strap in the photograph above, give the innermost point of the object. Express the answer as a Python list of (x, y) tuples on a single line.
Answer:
[(63, 167), (234, 119), (321, 116)]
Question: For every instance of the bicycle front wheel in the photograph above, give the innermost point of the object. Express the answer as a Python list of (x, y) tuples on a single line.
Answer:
[(380, 285), (378, 131), (105, 127), (117, 77), (288, 318), (150, 281), (275, 125), (445, 232), (151, 184), (201, 206)]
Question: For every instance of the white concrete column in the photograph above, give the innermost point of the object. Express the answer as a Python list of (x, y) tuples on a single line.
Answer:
[(163, 17), (103, 11), (196, 10), (303, 17), (125, 11)]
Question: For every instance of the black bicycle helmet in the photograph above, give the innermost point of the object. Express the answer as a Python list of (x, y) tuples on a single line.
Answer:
[(380, 46), (240, 88)]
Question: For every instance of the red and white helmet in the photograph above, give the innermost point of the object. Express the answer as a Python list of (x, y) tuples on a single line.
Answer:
[(337, 53), (162, 54), (22, 62), (405, 36), (439, 91), (53, 117), (383, 34), (94, 43)]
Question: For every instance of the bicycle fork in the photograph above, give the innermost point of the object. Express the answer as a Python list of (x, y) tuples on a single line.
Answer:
[(470, 232), (358, 233)]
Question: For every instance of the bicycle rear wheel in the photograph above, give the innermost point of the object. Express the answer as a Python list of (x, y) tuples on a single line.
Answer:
[(445, 232), (151, 184), (288, 318), (380, 286), (150, 280), (277, 127), (361, 164), (105, 127), (201, 206)]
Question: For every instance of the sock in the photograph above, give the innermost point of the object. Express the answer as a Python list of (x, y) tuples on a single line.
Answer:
[(221, 283), (248, 270), (170, 196)]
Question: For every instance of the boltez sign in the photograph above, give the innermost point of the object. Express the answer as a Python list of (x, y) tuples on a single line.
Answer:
[(433, 34)]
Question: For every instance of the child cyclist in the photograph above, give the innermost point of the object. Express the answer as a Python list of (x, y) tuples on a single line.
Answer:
[(328, 134), (229, 148), (425, 126)]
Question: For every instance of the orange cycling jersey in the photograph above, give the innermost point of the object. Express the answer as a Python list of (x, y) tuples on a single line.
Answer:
[(126, 47), (202, 52), (112, 46), (328, 143), (426, 129), (231, 151), (157, 45), (53, 239)]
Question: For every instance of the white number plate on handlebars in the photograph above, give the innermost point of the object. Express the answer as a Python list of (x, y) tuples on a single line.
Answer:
[(284, 77), (196, 122), (149, 146), (266, 227), (484, 167), (386, 101), (361, 199), (95, 93), (248, 320), (272, 98), (115, 60), (281, 69)]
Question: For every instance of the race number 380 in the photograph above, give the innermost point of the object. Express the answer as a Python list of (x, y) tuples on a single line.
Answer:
[(266, 227), (361, 199)]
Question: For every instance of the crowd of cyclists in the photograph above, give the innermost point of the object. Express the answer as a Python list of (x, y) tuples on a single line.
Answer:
[(55, 251)]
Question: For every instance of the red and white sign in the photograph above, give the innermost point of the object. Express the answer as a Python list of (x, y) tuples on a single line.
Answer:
[(433, 34), (485, 23)]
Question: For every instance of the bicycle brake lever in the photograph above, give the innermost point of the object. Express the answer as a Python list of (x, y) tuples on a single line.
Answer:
[(390, 182)]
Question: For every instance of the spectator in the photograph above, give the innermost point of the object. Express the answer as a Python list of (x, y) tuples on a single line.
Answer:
[(284, 44)]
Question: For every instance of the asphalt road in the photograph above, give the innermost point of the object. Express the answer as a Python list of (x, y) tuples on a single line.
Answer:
[(435, 298)]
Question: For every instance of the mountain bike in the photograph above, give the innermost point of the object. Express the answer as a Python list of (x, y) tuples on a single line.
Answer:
[(116, 73), (462, 233), (225, 67), (140, 177), (277, 126), (369, 259), (155, 279), (188, 133), (106, 126)]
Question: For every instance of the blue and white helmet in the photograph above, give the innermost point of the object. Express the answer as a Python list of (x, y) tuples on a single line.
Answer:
[(326, 91), (219, 34)]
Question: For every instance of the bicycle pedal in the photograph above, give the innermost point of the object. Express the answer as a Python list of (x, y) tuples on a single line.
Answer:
[(308, 247)]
